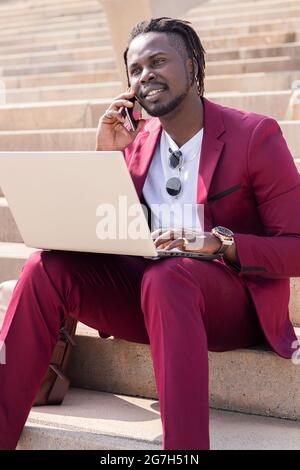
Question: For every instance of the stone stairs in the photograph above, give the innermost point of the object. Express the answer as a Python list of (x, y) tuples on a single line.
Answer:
[(86, 420), (59, 72)]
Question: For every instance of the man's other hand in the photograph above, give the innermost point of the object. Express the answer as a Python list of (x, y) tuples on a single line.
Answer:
[(186, 240)]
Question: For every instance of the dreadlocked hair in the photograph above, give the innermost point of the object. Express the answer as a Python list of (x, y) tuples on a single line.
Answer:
[(183, 29)]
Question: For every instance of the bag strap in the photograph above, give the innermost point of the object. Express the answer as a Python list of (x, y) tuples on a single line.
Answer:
[(56, 383)]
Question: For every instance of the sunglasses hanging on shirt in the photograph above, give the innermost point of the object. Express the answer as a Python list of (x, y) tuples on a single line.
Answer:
[(176, 161), (173, 186)]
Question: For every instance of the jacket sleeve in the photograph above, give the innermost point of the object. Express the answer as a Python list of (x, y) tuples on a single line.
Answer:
[(276, 186)]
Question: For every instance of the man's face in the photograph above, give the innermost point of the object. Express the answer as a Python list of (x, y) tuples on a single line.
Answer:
[(158, 73)]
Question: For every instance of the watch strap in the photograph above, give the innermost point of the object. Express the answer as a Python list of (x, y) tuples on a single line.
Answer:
[(222, 248)]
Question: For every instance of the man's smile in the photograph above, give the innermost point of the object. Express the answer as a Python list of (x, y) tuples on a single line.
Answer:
[(153, 90), (152, 95)]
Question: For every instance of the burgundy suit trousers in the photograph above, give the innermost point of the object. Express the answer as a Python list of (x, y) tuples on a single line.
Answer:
[(182, 307)]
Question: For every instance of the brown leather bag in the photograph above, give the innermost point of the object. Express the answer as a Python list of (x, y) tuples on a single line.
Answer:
[(56, 384)]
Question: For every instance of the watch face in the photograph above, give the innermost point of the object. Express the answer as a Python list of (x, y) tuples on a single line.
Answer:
[(225, 232)]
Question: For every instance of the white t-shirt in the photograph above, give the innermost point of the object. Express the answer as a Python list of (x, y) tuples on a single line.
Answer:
[(182, 210)]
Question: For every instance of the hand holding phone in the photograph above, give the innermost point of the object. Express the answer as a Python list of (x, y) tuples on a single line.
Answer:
[(112, 134), (128, 114)]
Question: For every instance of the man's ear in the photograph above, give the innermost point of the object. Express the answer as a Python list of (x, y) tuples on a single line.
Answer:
[(190, 66)]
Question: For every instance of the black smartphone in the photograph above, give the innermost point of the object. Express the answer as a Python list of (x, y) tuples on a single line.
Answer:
[(128, 114)]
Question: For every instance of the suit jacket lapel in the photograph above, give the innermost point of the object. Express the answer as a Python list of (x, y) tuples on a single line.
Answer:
[(143, 154), (211, 148), (210, 154)]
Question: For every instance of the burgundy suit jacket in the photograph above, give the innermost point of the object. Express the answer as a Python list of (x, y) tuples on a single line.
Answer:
[(249, 183)]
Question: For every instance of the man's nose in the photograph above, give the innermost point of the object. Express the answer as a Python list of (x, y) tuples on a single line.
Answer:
[(147, 75)]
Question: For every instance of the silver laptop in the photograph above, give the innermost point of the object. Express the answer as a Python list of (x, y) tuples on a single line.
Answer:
[(78, 201)]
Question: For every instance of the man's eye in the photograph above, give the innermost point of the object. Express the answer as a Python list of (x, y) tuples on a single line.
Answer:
[(158, 61), (135, 72)]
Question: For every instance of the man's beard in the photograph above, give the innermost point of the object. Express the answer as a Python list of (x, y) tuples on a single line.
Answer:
[(167, 108)]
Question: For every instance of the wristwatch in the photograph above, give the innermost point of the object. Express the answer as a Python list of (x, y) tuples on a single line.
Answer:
[(225, 235)]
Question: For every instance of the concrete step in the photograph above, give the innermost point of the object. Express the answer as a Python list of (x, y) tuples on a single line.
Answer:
[(63, 92), (240, 17), (53, 115), (90, 420), (234, 7), (60, 78), (291, 132), (54, 36), (63, 55), (96, 22), (55, 7), (265, 64), (84, 139), (86, 113), (294, 305), (12, 258), (254, 380), (54, 45), (32, 17), (258, 26), (55, 17), (50, 139), (251, 82), (59, 67), (248, 40), (230, 3), (212, 3), (273, 103), (291, 49)]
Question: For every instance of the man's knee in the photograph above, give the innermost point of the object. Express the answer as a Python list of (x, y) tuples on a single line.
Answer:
[(156, 275), (171, 271), (53, 263), (169, 290), (180, 277), (169, 277)]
